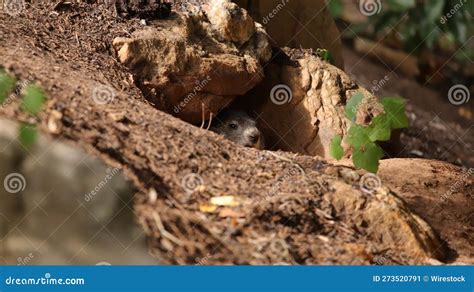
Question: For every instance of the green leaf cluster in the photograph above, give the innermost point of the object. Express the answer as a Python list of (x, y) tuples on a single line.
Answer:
[(366, 153), (33, 99)]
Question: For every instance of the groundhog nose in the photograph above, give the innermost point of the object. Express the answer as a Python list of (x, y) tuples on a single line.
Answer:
[(254, 137)]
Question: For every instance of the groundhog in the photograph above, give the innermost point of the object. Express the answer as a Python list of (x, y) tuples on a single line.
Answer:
[(238, 127)]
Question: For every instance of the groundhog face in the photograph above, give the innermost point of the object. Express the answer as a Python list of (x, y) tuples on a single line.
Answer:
[(238, 127)]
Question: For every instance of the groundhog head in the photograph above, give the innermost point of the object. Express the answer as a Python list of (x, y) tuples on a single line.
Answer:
[(238, 127)]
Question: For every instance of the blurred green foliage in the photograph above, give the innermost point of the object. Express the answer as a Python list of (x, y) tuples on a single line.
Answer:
[(325, 55), (28, 134), (7, 85), (33, 99), (419, 24), (335, 7), (428, 23)]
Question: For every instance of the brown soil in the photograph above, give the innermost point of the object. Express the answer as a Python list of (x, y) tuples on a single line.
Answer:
[(68, 52), (441, 194)]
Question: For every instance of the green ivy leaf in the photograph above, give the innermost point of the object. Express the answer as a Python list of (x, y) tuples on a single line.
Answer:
[(357, 136), (28, 134), (352, 104), (395, 109), (368, 157), (379, 129), (336, 149), (7, 85), (33, 99)]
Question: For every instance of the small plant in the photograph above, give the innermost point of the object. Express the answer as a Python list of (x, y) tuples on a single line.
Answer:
[(325, 55), (366, 153), (33, 99)]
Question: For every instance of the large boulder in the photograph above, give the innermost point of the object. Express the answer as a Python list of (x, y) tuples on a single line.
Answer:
[(301, 103), (195, 64), (59, 205)]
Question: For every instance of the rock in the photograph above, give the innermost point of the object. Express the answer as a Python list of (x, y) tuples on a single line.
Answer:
[(192, 65), (304, 104), (59, 205), (435, 191), (9, 202), (259, 46), (388, 222), (441, 193), (229, 22)]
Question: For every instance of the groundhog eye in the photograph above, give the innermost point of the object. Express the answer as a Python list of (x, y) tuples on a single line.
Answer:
[(233, 126)]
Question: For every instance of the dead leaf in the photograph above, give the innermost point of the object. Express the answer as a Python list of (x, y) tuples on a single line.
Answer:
[(265, 175), (227, 212), (206, 208), (228, 201)]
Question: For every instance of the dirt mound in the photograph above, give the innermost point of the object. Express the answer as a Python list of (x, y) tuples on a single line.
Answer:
[(441, 193), (202, 199)]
